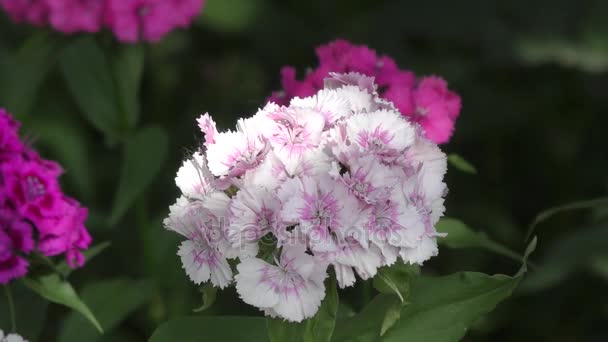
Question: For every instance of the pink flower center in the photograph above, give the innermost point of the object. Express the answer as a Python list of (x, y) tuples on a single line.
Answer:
[(33, 188)]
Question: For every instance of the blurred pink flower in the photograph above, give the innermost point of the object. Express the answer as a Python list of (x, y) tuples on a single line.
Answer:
[(427, 101)]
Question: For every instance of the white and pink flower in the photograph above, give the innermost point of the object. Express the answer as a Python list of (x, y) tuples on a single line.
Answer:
[(339, 180)]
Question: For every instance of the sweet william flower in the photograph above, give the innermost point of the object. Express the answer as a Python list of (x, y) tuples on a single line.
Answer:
[(337, 180), (15, 240), (35, 213), (426, 101), (292, 288)]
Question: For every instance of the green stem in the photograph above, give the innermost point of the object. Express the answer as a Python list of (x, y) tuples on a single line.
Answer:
[(11, 307)]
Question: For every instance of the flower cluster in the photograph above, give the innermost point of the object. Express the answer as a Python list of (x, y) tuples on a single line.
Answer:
[(427, 100), (339, 180), (11, 337), (31, 198), (130, 20)]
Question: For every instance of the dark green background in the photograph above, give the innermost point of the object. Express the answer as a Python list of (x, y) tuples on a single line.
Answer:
[(533, 77)]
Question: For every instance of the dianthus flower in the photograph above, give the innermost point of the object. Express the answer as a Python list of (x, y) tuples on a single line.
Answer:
[(426, 101), (129, 20), (31, 201), (336, 180)]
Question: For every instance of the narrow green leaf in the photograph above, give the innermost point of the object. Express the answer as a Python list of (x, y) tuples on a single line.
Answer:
[(89, 254), (212, 328), (461, 164), (547, 214), (112, 301), (89, 78), (231, 15), (318, 328), (461, 236), (128, 67), (24, 72), (209, 294), (56, 290), (143, 157)]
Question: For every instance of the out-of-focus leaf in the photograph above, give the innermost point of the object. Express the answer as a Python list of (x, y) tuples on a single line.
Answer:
[(585, 55), (440, 309), (231, 15), (461, 236), (112, 301), (576, 251), (461, 164), (396, 279), (128, 66), (89, 78), (318, 328), (392, 316), (30, 312), (143, 157), (212, 328), (24, 72), (209, 293), (547, 214), (599, 265), (89, 254), (56, 290)]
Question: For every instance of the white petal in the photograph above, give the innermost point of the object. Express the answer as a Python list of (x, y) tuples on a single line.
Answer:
[(194, 178)]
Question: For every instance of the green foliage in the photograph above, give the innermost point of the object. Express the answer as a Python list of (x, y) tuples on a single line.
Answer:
[(30, 311), (461, 164), (319, 328), (87, 72), (440, 308), (25, 71), (54, 289), (460, 235), (112, 301), (139, 167), (209, 294), (210, 328)]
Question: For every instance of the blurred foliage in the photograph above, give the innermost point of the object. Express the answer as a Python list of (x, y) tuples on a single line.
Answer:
[(534, 82)]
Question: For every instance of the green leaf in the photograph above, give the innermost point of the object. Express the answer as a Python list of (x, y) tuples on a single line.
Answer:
[(89, 254), (392, 316), (547, 214), (56, 290), (209, 294), (461, 236), (231, 15), (396, 279), (212, 328), (318, 328), (144, 155), (30, 312), (440, 309), (461, 164), (128, 67), (112, 301), (89, 78), (25, 71)]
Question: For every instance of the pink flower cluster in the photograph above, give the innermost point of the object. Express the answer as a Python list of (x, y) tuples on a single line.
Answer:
[(427, 100), (31, 199), (130, 20), (339, 179)]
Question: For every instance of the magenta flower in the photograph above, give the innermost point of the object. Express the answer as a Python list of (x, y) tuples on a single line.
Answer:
[(426, 101), (130, 20), (15, 240), (31, 199), (150, 20)]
